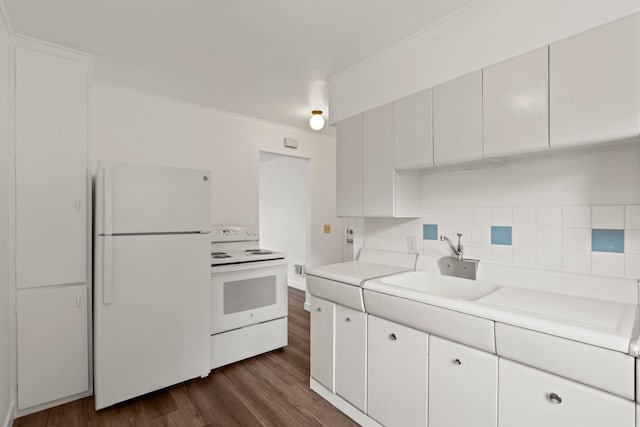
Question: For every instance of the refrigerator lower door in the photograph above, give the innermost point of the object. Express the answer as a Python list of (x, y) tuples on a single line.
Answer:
[(151, 308)]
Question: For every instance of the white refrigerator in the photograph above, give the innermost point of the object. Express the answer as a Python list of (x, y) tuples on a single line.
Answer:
[(152, 277)]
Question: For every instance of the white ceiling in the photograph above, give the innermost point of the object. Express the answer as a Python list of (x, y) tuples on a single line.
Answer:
[(252, 57)]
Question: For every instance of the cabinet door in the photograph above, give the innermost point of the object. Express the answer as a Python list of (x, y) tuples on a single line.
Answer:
[(396, 374), (413, 131), (51, 172), (377, 162), (351, 356), (349, 167), (52, 344), (531, 398), (516, 105), (463, 385), (322, 341), (595, 85), (457, 120)]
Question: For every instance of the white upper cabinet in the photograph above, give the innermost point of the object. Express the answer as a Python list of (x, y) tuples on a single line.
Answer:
[(516, 105), (413, 131), (51, 169), (457, 120), (349, 167), (595, 85), (377, 162)]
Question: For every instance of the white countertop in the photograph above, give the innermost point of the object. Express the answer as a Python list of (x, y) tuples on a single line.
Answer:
[(355, 272), (606, 324)]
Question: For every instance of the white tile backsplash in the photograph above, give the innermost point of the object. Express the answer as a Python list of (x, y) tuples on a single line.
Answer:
[(578, 239), (607, 264), (501, 254), (549, 216), (548, 259), (632, 266), (632, 217), (481, 216), (632, 241), (524, 256), (608, 217), (525, 217), (501, 216), (549, 237), (576, 261), (524, 236), (576, 216)]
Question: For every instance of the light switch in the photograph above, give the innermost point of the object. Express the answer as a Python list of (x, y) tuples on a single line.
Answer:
[(327, 228)]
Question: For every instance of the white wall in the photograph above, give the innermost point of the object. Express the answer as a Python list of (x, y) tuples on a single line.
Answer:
[(284, 206), (138, 127), (550, 201), (488, 32), (5, 172)]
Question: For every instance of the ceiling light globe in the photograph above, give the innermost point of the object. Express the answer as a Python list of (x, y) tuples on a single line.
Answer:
[(317, 121)]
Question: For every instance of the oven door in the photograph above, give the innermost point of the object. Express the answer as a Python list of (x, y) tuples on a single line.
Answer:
[(246, 294)]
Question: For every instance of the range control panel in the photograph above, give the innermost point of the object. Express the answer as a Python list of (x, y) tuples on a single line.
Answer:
[(233, 233)]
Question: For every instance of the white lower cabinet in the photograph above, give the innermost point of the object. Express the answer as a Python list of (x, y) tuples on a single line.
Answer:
[(323, 314), (531, 398), (52, 340), (463, 385), (397, 374), (351, 356)]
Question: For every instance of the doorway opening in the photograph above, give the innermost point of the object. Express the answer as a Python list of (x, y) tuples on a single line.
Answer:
[(285, 210)]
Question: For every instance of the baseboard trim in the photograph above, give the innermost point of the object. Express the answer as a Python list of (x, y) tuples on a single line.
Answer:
[(345, 407), (8, 419)]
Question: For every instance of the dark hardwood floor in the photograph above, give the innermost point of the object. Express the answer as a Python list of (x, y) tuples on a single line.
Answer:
[(267, 390)]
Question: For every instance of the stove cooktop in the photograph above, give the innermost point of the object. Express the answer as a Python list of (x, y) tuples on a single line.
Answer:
[(244, 256)]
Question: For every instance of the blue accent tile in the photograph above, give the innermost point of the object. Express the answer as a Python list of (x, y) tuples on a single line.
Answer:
[(500, 235), (430, 231), (607, 241)]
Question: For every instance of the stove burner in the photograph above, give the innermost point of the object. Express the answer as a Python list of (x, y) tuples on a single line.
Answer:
[(217, 255), (258, 252)]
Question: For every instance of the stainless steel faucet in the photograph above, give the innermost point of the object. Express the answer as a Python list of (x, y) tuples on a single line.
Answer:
[(458, 250)]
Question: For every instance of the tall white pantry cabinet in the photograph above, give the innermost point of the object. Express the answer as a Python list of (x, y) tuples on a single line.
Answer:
[(52, 223)]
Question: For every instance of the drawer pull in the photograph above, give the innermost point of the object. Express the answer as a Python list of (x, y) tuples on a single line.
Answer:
[(457, 362), (393, 337), (347, 319), (319, 309), (554, 398)]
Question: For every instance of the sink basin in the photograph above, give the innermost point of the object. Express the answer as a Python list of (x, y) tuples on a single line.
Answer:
[(437, 285)]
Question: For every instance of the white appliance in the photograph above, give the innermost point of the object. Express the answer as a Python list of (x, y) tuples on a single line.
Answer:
[(248, 296), (151, 310)]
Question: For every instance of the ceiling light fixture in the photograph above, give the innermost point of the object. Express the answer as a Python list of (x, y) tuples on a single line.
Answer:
[(316, 121)]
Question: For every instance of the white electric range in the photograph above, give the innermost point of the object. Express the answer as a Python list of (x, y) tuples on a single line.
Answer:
[(248, 296)]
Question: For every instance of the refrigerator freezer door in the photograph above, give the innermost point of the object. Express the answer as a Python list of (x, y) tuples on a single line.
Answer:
[(134, 199), (153, 330)]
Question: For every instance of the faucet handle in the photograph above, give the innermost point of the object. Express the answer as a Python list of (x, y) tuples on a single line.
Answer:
[(459, 235)]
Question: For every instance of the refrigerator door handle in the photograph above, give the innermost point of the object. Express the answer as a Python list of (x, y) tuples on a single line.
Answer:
[(108, 201), (107, 271)]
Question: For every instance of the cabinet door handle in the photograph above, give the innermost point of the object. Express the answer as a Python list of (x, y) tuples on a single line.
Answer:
[(319, 309), (554, 398), (393, 337), (457, 362), (347, 319), (78, 204)]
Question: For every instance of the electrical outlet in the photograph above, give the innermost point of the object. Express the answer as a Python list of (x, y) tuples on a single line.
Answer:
[(327, 228), (412, 244)]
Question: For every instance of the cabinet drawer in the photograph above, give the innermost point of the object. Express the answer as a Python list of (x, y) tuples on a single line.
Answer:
[(531, 398), (570, 359), (351, 356), (322, 341)]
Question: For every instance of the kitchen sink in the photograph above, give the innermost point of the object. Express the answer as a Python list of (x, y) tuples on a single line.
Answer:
[(442, 286)]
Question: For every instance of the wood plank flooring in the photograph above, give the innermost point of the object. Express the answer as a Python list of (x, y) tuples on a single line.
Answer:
[(267, 390)]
